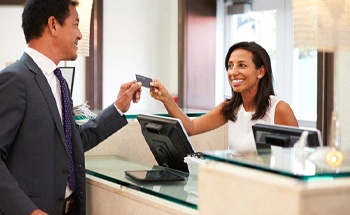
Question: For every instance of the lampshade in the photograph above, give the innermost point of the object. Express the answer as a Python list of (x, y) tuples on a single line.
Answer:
[(322, 24), (84, 11)]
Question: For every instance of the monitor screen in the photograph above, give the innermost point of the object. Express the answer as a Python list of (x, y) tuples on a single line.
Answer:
[(285, 136), (68, 74), (167, 140)]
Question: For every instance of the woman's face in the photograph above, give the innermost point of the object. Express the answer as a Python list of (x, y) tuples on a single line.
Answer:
[(242, 73)]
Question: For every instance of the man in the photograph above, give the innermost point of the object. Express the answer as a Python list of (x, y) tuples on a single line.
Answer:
[(34, 151)]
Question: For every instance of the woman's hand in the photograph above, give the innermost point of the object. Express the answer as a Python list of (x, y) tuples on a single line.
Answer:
[(160, 92)]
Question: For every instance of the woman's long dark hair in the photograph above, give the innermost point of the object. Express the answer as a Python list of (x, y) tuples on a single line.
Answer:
[(265, 88)]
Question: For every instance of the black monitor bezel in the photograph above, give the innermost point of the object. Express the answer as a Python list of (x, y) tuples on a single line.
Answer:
[(174, 159), (283, 136), (68, 73)]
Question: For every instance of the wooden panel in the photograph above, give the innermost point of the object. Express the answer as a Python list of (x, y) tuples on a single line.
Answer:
[(12, 2), (94, 63), (325, 94), (199, 54)]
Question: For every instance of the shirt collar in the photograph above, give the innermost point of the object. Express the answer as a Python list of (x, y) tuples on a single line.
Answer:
[(44, 63)]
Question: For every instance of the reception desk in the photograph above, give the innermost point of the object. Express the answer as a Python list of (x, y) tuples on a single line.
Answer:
[(264, 182), (273, 182), (110, 191)]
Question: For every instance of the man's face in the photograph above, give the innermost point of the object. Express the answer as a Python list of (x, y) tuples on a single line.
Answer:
[(69, 36)]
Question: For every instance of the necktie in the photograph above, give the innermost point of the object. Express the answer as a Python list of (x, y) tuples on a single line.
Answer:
[(66, 112)]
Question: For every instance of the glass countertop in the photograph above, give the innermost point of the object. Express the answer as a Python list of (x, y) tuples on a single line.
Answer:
[(133, 115), (307, 164), (112, 168), (189, 112)]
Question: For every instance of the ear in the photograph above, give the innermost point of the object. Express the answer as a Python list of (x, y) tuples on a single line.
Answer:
[(261, 72), (52, 25)]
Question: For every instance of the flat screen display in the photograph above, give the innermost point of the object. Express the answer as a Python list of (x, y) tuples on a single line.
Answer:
[(284, 136), (154, 175), (167, 139)]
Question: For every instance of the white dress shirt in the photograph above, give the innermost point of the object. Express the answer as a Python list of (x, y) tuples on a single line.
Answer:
[(47, 66)]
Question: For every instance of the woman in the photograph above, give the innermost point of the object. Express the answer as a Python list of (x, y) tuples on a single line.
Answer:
[(253, 99)]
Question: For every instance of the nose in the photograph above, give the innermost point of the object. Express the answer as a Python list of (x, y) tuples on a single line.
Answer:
[(233, 71), (80, 36)]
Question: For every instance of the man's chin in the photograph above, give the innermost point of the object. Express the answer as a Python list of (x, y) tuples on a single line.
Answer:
[(72, 58)]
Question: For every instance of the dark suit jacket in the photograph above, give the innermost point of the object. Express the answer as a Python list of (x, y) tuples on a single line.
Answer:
[(33, 157)]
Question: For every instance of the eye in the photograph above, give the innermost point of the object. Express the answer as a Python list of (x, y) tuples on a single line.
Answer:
[(76, 24), (230, 66), (242, 65)]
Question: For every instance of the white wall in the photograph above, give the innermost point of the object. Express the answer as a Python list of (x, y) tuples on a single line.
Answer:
[(12, 37), (13, 44), (342, 101), (140, 37)]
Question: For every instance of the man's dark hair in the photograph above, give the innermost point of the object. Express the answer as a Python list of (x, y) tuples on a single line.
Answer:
[(265, 88), (37, 12)]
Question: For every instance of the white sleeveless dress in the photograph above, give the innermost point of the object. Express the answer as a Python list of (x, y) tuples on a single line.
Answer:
[(240, 133)]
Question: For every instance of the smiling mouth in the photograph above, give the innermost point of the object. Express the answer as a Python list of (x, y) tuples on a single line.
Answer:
[(236, 82)]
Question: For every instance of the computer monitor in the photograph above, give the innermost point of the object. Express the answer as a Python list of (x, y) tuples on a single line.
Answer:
[(284, 136), (167, 140), (68, 74)]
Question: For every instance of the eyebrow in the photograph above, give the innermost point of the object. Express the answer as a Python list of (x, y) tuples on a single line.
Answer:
[(240, 61)]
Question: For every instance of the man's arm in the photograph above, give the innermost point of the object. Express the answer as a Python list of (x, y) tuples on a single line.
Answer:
[(110, 120), (12, 106)]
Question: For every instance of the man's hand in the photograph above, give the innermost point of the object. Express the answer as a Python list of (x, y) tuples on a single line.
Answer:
[(130, 91)]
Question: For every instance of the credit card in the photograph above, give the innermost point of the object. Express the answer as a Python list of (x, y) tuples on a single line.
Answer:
[(145, 81)]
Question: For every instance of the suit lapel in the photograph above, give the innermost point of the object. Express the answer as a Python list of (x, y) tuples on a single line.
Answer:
[(47, 93)]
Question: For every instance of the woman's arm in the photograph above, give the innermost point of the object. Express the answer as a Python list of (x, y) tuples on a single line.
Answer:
[(209, 121), (284, 115)]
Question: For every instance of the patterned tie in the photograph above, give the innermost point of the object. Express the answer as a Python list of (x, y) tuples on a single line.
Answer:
[(66, 111)]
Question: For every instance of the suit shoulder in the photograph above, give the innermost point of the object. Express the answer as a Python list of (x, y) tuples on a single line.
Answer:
[(15, 67)]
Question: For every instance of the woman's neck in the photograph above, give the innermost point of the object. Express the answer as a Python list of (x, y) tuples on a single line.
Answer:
[(248, 103)]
